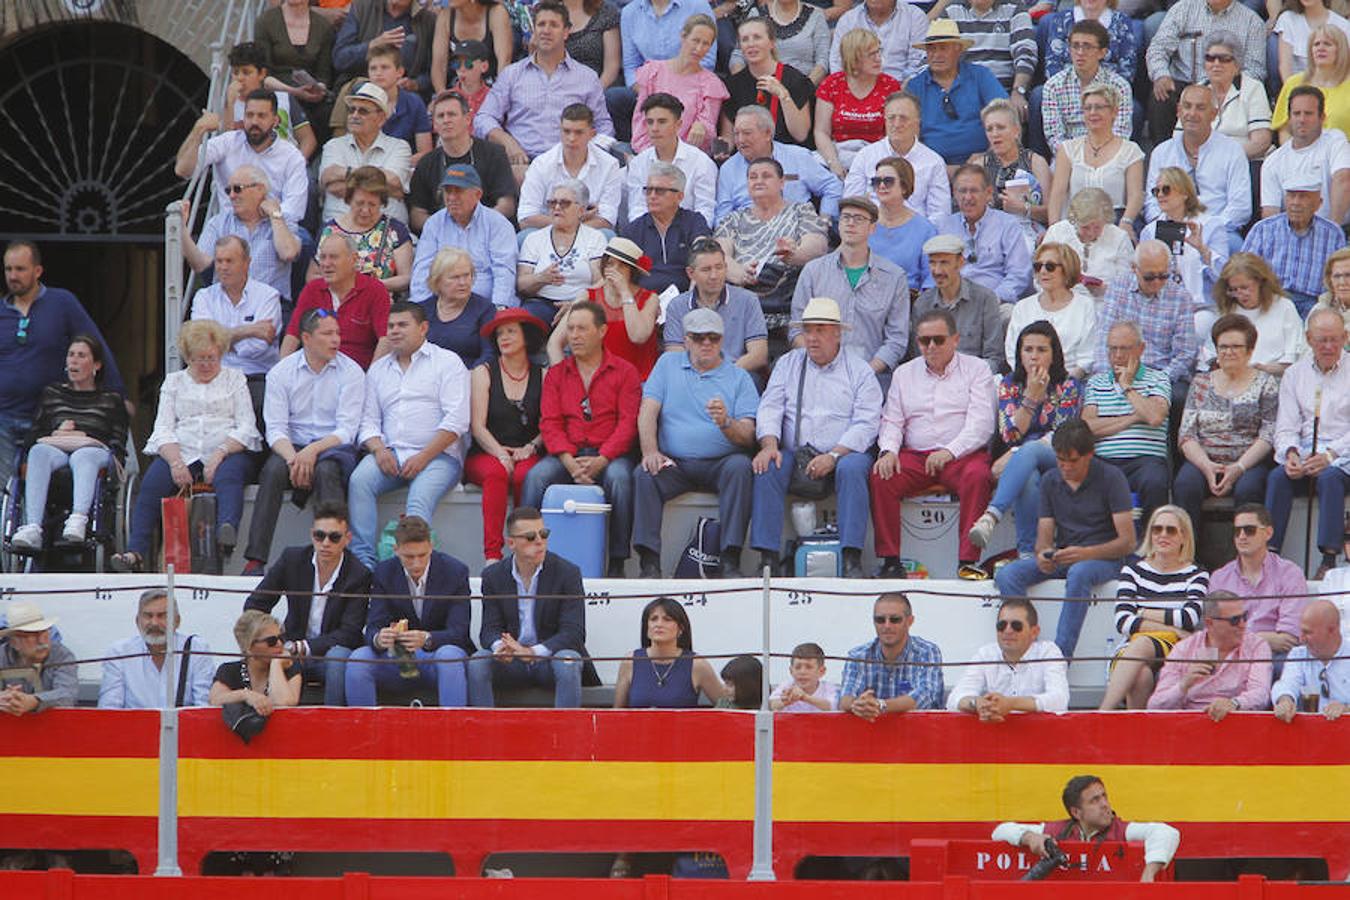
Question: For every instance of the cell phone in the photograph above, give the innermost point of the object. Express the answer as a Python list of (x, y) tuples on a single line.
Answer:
[(1173, 234), (1091, 281), (721, 147)]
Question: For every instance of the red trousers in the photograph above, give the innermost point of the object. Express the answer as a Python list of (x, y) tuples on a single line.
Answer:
[(968, 478), (487, 472)]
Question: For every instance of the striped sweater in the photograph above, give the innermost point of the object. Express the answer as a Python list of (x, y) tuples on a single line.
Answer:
[(1177, 594), (1005, 39)]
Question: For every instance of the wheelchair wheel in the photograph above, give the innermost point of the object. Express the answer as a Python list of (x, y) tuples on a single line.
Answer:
[(7, 559), (125, 497)]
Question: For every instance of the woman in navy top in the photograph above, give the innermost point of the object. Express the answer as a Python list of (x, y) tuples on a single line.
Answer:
[(456, 314), (664, 673)]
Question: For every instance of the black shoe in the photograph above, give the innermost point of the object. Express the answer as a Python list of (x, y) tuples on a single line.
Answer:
[(770, 558), (853, 563), (226, 538), (649, 563), (891, 568), (616, 567), (731, 563)]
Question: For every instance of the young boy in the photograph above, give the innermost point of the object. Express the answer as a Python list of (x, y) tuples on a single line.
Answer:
[(408, 118), (248, 72), (806, 692), (469, 61)]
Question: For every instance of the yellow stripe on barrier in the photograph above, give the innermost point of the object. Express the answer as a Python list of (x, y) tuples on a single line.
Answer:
[(466, 789), (965, 792), (64, 786)]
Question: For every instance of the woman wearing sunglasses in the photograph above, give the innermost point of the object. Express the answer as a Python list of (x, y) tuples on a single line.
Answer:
[(1228, 429), (266, 677), (1243, 108), (558, 263), (1201, 247), (1158, 601), (901, 232), (1063, 302)]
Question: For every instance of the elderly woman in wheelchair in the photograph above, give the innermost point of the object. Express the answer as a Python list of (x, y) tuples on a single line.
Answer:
[(79, 425)]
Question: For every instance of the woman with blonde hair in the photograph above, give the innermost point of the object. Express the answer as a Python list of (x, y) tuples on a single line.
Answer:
[(1198, 256), (1295, 24), (1329, 71), (204, 430), (1007, 160), (455, 314), (1089, 228), (1247, 286), (1336, 277), (1158, 601), (1063, 302), (267, 677), (1101, 159), (699, 90), (770, 81), (850, 105)]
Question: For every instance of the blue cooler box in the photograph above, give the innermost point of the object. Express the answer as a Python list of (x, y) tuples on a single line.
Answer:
[(819, 558), (577, 518)]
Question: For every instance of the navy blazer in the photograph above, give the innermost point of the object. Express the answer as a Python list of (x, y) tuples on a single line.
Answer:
[(344, 612), (559, 624), (446, 619)]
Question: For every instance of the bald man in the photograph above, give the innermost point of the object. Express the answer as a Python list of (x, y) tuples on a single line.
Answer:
[(1316, 678)]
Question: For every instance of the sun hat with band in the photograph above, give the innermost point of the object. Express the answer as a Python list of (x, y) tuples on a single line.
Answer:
[(944, 31), (629, 253), (821, 311)]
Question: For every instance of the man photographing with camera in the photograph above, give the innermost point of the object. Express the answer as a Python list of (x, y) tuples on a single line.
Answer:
[(1091, 818)]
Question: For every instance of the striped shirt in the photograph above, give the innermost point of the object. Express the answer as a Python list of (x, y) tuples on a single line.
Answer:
[(1104, 393), (1005, 39), (1062, 105), (916, 673), (1176, 594), (1298, 259)]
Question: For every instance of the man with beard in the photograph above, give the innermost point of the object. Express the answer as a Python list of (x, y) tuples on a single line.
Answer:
[(137, 681), (254, 144)]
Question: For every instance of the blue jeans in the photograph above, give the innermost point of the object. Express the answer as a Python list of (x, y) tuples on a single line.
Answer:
[(332, 671), (1189, 490), (617, 482), (157, 483), (363, 676), (1019, 489), (621, 100), (850, 488), (13, 431), (1280, 491), (728, 477), (1017, 577), (43, 460), (368, 483), (562, 670)]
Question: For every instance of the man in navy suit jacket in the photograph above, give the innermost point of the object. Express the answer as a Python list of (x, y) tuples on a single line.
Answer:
[(429, 591), (326, 589), (534, 618)]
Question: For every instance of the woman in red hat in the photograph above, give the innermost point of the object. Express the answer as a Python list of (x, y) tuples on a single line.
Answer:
[(504, 416), (630, 311)]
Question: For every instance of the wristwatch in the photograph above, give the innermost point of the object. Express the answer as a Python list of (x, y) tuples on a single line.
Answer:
[(1021, 89), (881, 704), (835, 454)]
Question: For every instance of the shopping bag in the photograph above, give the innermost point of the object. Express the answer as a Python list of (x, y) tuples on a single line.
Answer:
[(177, 546)]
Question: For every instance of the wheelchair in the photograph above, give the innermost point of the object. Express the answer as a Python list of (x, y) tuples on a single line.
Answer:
[(109, 520)]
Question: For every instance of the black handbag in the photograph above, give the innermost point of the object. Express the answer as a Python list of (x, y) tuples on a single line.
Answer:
[(802, 485)]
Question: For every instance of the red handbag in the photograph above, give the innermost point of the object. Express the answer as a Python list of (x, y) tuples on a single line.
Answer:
[(177, 542)]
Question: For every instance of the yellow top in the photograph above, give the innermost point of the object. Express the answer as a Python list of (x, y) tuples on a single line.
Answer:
[(1338, 104)]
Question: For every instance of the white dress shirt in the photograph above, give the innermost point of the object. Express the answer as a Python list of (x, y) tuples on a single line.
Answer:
[(319, 599), (1047, 682), (526, 591), (200, 417), (932, 196), (136, 683), (390, 154), (1302, 674), (258, 301), (600, 173), (1294, 421), (305, 406), (405, 408), (417, 589), (700, 189)]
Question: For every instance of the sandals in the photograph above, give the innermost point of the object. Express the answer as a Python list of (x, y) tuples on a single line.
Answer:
[(126, 562)]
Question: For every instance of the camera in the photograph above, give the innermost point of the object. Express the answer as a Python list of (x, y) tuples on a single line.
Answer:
[(1054, 858), (1173, 234)]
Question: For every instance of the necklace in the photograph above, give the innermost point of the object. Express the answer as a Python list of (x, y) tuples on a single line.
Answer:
[(1097, 151), (514, 377), (662, 677)]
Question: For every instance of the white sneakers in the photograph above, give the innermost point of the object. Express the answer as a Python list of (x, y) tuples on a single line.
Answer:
[(28, 537), (77, 526), (983, 529)]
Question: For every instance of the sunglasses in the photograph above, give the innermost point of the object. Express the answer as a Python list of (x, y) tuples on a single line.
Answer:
[(885, 181), (1235, 621), (586, 407), (1047, 266), (936, 340), (1169, 530), (949, 108), (971, 257), (558, 203), (1161, 190), (460, 62), (542, 534), (882, 620), (1015, 624), (1324, 681), (333, 537), (239, 188), (1246, 530), (21, 336), (704, 338), (1218, 57), (274, 640)]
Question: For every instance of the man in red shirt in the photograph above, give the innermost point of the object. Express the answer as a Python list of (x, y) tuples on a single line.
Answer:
[(589, 413), (360, 302)]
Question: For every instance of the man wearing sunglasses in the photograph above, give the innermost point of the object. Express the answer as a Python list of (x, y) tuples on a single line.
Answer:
[(897, 671), (534, 619), (365, 144), (326, 589), (1017, 673), (1276, 584), (255, 218), (1220, 669), (1317, 674)]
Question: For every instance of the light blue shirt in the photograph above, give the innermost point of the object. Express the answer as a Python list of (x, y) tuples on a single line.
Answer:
[(805, 178), (136, 683), (526, 592), (489, 240), (1222, 177), (1002, 261), (305, 406), (686, 429), (648, 36), (263, 263), (1303, 674)]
